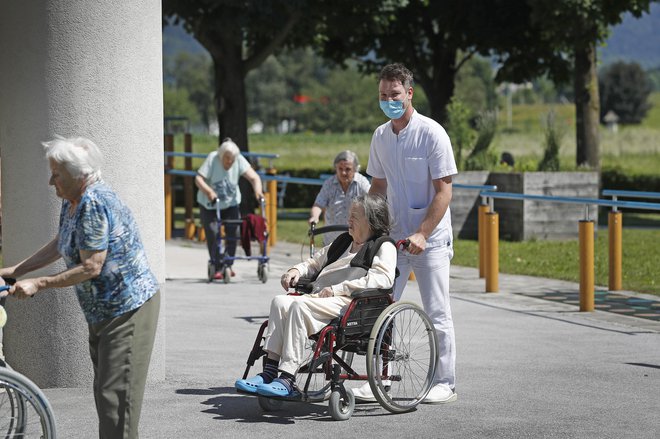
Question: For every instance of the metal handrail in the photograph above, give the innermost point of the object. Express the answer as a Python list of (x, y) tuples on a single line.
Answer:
[(478, 187), (573, 200), (257, 155), (314, 181), (628, 194)]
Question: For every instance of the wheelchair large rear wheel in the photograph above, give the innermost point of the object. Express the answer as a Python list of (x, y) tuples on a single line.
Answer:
[(24, 410), (402, 357)]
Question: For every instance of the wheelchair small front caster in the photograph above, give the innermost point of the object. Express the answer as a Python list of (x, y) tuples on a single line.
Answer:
[(270, 404), (341, 408)]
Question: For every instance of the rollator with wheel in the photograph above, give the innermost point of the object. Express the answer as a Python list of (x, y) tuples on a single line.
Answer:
[(225, 260), (397, 340)]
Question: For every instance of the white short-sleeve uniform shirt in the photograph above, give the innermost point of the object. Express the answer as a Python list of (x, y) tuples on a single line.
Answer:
[(409, 161)]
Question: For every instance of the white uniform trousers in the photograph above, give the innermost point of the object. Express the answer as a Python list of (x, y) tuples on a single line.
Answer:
[(431, 269), (293, 319)]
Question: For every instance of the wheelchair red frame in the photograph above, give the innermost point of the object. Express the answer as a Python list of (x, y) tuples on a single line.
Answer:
[(396, 338)]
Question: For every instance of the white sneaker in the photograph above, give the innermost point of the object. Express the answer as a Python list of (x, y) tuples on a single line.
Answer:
[(440, 394), (364, 393)]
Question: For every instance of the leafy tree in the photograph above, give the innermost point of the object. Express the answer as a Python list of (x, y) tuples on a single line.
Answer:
[(458, 128), (566, 33), (177, 103), (475, 85), (481, 157), (434, 39), (624, 89), (554, 132), (268, 94), (193, 73), (239, 35)]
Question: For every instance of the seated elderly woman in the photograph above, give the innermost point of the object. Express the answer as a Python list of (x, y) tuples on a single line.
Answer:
[(340, 269), (337, 193)]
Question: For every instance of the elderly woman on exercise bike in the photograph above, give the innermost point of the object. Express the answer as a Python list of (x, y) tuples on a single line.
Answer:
[(365, 257)]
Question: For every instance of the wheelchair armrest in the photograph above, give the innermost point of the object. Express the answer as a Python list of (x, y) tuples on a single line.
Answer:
[(371, 292), (304, 286)]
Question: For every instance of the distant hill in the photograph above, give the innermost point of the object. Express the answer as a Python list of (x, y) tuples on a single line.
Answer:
[(176, 39), (635, 40)]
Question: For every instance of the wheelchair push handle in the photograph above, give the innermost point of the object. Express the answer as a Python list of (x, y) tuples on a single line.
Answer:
[(403, 244)]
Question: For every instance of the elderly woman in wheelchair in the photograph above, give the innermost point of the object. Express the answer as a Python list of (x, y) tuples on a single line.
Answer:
[(346, 308), (363, 258)]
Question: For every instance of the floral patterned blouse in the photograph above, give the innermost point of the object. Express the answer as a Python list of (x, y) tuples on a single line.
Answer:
[(102, 222)]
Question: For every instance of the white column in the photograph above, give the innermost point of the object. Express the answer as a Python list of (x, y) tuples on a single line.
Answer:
[(89, 68)]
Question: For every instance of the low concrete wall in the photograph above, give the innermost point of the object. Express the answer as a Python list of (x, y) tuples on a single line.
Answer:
[(526, 219)]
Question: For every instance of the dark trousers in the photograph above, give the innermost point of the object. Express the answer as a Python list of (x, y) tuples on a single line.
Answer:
[(210, 222), (120, 349)]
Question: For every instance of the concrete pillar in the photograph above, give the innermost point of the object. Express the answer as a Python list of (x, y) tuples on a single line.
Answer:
[(91, 68)]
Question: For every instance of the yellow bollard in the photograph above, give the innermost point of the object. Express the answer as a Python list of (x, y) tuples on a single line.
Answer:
[(586, 237), (492, 238), (481, 226), (271, 203), (190, 229), (412, 276), (615, 229), (169, 206)]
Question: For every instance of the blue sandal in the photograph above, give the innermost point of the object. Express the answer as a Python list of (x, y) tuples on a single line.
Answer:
[(276, 388), (249, 385)]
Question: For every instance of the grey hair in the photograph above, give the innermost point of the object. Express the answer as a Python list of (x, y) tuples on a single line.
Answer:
[(80, 157), (377, 213), (397, 72), (348, 156), (228, 147)]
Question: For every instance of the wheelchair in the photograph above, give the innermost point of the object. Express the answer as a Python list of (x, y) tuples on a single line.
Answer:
[(397, 339)]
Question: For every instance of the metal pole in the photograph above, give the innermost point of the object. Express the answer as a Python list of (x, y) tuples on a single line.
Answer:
[(615, 229), (586, 237), (492, 252)]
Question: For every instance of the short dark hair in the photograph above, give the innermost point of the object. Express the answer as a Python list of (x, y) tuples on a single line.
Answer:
[(397, 72), (377, 213)]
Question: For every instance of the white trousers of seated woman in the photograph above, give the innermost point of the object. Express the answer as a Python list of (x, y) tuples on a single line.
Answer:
[(293, 319)]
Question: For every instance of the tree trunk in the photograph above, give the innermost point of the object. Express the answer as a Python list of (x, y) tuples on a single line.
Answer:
[(587, 107), (439, 87), (230, 101), (231, 106)]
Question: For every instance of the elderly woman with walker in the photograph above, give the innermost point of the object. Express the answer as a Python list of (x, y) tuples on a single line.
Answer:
[(105, 260), (217, 181)]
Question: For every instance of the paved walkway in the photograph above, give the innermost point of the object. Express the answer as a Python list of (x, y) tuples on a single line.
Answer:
[(526, 367)]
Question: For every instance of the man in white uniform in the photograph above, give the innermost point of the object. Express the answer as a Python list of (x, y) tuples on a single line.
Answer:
[(412, 163)]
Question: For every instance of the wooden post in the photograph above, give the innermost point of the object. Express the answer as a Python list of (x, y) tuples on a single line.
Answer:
[(188, 186), (586, 237)]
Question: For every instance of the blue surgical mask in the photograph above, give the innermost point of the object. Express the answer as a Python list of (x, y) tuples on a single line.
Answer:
[(392, 109)]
